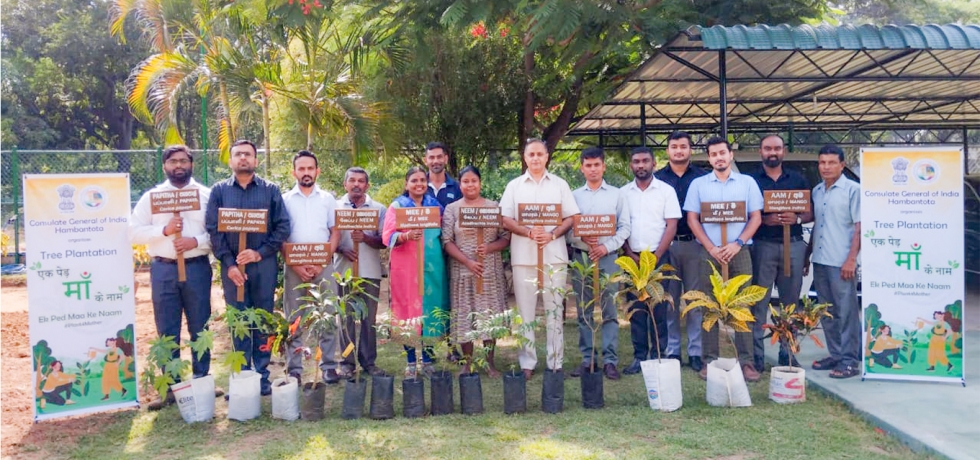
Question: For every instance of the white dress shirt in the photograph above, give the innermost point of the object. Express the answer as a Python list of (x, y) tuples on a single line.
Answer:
[(550, 190), (310, 217), (146, 228), (649, 211)]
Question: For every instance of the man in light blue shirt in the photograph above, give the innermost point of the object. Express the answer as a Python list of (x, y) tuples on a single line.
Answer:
[(723, 184), (311, 218), (598, 197), (835, 244)]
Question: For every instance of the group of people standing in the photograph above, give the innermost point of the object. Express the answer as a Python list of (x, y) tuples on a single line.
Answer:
[(658, 211)]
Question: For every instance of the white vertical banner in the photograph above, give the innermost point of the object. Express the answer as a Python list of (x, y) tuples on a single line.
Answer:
[(81, 303), (913, 261)]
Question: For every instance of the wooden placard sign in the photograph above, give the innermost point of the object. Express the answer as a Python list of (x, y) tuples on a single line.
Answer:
[(786, 201), (723, 212), (539, 214), (365, 220), (176, 201), (418, 218), (797, 201), (306, 253), (594, 225), (242, 221), (480, 218), (357, 219)]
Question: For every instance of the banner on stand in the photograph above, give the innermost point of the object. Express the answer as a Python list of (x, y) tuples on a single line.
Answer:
[(912, 255), (81, 304)]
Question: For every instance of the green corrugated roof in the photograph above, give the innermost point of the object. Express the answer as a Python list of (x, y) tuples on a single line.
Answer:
[(785, 37)]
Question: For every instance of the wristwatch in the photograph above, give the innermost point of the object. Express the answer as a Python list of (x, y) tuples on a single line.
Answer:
[(739, 242)]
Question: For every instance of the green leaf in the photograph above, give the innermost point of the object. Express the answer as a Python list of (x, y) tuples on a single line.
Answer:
[(203, 344), (234, 361)]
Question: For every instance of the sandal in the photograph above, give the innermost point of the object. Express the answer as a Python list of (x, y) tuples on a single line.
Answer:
[(825, 364), (844, 372)]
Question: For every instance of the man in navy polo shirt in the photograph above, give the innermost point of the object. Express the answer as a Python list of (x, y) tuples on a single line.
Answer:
[(443, 187)]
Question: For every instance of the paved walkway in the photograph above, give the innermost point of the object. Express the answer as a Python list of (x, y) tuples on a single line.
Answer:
[(942, 418)]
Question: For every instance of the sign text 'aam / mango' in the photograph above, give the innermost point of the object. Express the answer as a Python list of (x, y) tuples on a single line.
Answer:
[(722, 212), (420, 217), (306, 253), (357, 219), (479, 217), (539, 214), (243, 220), (594, 225), (170, 201), (786, 201)]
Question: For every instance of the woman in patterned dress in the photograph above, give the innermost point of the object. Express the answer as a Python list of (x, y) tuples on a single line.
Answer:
[(464, 249)]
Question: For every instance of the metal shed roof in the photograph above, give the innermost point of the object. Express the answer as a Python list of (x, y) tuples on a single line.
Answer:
[(746, 78)]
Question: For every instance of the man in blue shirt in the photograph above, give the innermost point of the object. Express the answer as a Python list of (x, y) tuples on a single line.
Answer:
[(245, 190), (767, 250), (835, 244), (723, 184), (442, 186)]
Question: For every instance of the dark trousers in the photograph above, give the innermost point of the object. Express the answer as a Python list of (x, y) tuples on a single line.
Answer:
[(260, 290), (740, 265), (642, 332), (367, 347), (173, 299), (608, 331), (768, 269), (842, 330), (55, 397), (882, 359)]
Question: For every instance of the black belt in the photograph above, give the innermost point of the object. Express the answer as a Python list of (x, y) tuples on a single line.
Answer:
[(779, 239), (684, 238), (165, 260)]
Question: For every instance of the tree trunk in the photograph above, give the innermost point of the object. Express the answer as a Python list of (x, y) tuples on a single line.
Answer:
[(557, 129)]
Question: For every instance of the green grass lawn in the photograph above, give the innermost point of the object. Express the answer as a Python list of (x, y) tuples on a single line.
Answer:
[(626, 428)]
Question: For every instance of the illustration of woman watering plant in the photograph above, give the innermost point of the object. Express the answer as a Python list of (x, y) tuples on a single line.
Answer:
[(110, 369), (886, 349), (57, 382), (937, 342)]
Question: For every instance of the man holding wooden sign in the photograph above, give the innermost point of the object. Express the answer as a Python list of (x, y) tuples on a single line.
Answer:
[(313, 234), (169, 220), (597, 235), (246, 236), (537, 241), (730, 205), (360, 221), (779, 249)]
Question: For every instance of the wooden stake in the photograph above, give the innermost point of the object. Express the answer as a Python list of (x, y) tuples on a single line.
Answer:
[(724, 241), (421, 256), (241, 267), (181, 268), (357, 257), (596, 295), (479, 258), (786, 268), (540, 267)]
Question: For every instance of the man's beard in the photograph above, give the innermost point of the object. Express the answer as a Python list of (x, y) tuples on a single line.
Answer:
[(772, 161), (180, 176), (437, 168), (721, 168), (307, 181), (244, 169), (642, 174)]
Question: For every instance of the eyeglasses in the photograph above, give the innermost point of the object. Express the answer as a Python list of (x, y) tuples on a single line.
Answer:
[(178, 162)]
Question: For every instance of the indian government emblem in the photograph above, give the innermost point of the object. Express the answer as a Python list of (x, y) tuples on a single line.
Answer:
[(899, 165), (66, 192)]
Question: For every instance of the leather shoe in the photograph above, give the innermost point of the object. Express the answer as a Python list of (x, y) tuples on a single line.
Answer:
[(696, 363), (610, 371), (218, 392), (298, 377), (528, 373), (266, 389), (677, 357), (160, 403), (580, 369), (703, 373), (633, 368), (750, 374)]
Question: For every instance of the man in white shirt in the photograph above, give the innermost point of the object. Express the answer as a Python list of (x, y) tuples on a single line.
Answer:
[(539, 186), (368, 257), (172, 298), (654, 211), (311, 219)]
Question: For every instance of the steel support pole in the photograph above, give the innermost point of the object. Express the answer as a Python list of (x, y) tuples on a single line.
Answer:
[(17, 185), (966, 151), (723, 94), (789, 138), (643, 124)]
